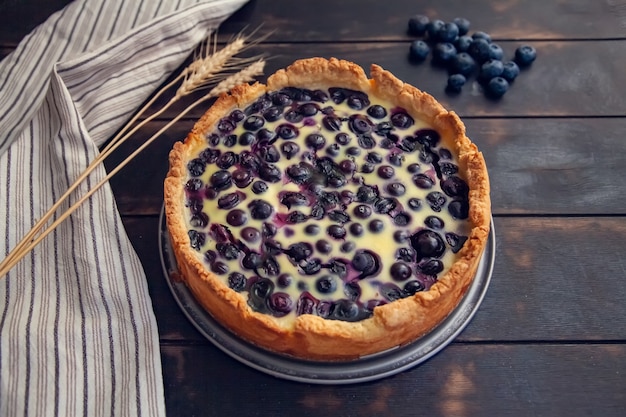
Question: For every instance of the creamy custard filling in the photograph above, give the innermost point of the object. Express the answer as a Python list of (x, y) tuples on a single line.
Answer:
[(325, 202)]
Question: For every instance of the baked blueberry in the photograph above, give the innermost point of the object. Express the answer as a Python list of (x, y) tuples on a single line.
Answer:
[(289, 149), (259, 187), (427, 244), (326, 284), (253, 123), (219, 268), (236, 217), (280, 304), (260, 209), (436, 200), (400, 271), (237, 281), (196, 167), (287, 131), (299, 251)]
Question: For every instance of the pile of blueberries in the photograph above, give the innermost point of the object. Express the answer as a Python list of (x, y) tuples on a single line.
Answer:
[(464, 55)]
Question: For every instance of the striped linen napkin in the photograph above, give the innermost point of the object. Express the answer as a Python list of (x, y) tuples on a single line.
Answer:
[(78, 335)]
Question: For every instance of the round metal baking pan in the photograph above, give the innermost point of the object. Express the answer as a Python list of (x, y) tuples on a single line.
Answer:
[(364, 369)]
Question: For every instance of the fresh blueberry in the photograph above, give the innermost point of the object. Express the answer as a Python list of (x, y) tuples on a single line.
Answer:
[(323, 246), (497, 87), (220, 268), (490, 69), (481, 35), (433, 27), (525, 55), (419, 50), (495, 51), (510, 71), (479, 50), (443, 53), (289, 149), (448, 32), (455, 83), (463, 63), (463, 24), (462, 43), (417, 25)]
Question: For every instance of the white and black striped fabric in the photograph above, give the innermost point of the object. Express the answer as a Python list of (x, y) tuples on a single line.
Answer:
[(78, 335)]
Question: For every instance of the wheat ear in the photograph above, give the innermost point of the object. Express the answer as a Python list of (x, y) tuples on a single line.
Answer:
[(247, 74)]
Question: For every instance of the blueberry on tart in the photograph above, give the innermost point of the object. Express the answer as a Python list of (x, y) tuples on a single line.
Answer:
[(327, 215)]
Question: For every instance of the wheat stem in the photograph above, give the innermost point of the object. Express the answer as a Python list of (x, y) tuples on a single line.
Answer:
[(26, 245)]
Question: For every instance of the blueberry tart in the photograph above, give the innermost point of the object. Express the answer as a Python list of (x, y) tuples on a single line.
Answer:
[(327, 215)]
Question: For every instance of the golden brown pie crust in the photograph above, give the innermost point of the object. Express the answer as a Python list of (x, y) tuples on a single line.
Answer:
[(312, 337)]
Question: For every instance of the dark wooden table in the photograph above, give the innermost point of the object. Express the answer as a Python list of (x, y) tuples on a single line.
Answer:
[(550, 336)]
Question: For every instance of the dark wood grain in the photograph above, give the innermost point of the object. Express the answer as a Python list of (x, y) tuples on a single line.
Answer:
[(462, 380), (20, 17), (374, 20), (574, 78), (540, 166)]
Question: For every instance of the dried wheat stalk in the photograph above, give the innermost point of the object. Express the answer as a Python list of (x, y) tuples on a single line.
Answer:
[(221, 67)]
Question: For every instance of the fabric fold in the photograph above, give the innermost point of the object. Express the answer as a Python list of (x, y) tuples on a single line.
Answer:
[(77, 332)]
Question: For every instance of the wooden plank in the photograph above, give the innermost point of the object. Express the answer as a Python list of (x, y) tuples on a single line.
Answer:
[(378, 20), (537, 166), (19, 17), (555, 279), (288, 21), (568, 79), (462, 380)]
